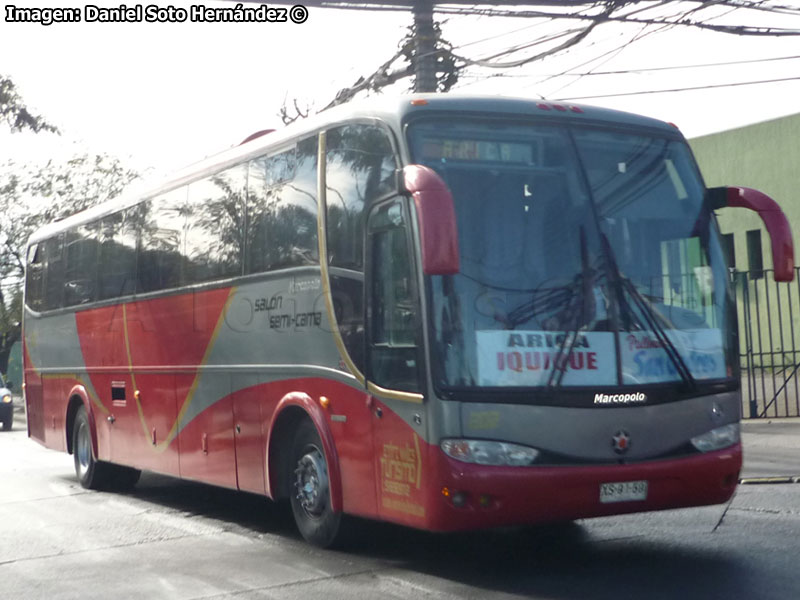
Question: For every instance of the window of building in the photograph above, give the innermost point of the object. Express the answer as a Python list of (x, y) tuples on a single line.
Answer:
[(728, 249), (755, 258)]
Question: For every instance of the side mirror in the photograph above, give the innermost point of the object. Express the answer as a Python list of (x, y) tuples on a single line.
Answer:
[(436, 215), (774, 220)]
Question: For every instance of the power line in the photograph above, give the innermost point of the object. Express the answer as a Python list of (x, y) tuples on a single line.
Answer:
[(654, 69), (683, 89), (678, 67)]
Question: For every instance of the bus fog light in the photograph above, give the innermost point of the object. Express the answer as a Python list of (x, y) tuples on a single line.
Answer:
[(483, 452), (718, 438), (459, 499)]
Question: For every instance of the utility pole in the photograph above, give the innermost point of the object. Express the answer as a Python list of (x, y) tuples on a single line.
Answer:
[(424, 47)]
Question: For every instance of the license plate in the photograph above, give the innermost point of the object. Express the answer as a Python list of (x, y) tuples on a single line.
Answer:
[(623, 491)]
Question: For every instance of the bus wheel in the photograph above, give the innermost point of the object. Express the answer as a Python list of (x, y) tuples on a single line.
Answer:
[(94, 474), (310, 489), (87, 469)]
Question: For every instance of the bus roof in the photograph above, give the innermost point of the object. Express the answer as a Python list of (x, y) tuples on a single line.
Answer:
[(394, 110)]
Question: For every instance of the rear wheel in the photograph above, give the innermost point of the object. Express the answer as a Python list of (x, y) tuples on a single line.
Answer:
[(310, 488), (94, 474)]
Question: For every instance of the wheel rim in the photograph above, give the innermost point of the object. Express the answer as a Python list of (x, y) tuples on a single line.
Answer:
[(311, 482), (83, 450)]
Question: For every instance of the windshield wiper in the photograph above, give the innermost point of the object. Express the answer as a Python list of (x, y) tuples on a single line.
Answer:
[(585, 284), (650, 316), (652, 320)]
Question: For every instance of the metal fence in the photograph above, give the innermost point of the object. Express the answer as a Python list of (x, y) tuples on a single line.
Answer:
[(769, 343)]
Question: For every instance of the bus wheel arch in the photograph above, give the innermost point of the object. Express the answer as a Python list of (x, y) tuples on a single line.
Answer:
[(297, 430), (78, 400)]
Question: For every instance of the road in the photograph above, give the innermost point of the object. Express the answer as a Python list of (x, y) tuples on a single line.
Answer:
[(180, 540)]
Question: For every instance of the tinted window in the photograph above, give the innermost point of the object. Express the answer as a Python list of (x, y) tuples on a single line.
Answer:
[(81, 266), (360, 167), (282, 209), (160, 253), (117, 255), (394, 322), (54, 272), (214, 233), (34, 277)]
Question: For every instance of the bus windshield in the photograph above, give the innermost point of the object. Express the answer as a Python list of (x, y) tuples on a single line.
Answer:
[(588, 258)]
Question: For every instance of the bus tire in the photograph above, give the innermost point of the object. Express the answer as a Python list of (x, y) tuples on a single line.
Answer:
[(309, 489), (88, 471), (91, 473)]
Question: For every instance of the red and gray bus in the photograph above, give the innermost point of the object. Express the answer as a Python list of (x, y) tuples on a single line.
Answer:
[(444, 312)]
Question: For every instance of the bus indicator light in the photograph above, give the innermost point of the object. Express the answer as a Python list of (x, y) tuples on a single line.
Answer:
[(419, 102)]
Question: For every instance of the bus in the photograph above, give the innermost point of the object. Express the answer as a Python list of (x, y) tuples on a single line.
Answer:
[(439, 311)]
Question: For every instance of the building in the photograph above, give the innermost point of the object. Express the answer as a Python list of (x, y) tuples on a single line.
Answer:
[(764, 156)]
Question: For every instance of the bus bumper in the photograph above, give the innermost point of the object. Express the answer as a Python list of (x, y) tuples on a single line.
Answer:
[(475, 496)]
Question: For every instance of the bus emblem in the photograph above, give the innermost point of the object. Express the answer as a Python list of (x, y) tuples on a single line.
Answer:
[(621, 442)]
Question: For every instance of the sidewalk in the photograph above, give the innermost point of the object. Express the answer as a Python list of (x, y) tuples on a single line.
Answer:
[(771, 450)]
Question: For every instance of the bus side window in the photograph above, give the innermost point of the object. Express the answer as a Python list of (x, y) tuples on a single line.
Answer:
[(54, 272), (160, 250), (117, 272), (282, 209), (393, 301), (81, 265), (360, 167), (215, 216), (34, 277)]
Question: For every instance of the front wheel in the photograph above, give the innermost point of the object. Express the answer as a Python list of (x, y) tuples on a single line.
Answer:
[(310, 488), (92, 473)]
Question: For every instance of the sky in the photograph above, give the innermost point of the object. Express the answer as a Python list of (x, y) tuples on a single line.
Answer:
[(163, 95)]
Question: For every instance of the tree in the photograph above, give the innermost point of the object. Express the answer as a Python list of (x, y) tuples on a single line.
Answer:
[(32, 195), (15, 114)]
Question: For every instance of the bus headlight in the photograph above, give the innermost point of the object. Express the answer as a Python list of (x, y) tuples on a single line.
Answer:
[(718, 438), (484, 452), (7, 399)]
